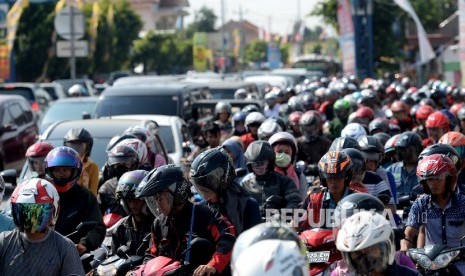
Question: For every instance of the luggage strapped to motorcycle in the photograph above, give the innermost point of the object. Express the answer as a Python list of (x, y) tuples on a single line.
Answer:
[(189, 240)]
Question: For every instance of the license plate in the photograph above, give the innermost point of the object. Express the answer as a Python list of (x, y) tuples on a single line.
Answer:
[(318, 257)]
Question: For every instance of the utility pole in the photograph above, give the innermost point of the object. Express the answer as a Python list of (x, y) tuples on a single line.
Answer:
[(72, 59), (223, 40), (241, 39)]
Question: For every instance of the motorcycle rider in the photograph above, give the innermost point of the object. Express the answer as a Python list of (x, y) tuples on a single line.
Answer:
[(335, 170), (167, 192), (154, 158), (77, 204), (132, 230), (437, 125), (269, 250), (121, 159), (263, 182), (437, 217), (213, 174), (81, 141), (34, 248), (35, 155), (366, 241), (312, 129), (222, 115), (252, 123)]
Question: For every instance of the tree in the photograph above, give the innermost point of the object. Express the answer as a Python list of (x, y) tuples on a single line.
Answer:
[(255, 52), (163, 53), (204, 21)]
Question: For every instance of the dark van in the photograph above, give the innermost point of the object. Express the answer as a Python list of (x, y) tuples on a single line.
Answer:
[(173, 99)]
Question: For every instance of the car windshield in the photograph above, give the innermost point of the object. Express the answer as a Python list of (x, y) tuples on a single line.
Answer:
[(222, 93), (166, 135), (67, 111), (21, 91), (51, 91), (127, 105)]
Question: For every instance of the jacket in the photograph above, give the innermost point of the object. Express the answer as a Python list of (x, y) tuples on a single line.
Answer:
[(127, 234), (107, 199)]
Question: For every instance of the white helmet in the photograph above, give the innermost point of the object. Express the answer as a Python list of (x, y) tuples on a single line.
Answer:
[(142, 133), (138, 146), (366, 230), (268, 128), (353, 130), (269, 249), (254, 117), (77, 90)]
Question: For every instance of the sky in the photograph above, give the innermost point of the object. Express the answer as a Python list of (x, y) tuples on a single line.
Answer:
[(277, 15)]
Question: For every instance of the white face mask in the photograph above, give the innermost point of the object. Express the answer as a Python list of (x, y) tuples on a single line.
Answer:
[(283, 160)]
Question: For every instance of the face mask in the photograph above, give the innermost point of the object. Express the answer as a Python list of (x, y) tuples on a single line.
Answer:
[(282, 160)]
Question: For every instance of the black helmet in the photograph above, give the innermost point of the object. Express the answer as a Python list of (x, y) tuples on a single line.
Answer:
[(443, 149), (223, 107), (378, 125), (250, 108), (344, 143), (382, 137), (371, 144), (260, 151), (165, 178), (356, 202), (213, 169), (127, 185), (409, 139), (335, 164), (358, 160), (79, 135)]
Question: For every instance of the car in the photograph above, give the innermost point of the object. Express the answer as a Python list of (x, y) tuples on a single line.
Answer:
[(18, 131), (68, 109), (54, 90), (207, 107), (37, 97), (146, 79), (274, 80), (298, 75), (102, 130), (173, 131), (225, 89), (170, 98), (86, 83)]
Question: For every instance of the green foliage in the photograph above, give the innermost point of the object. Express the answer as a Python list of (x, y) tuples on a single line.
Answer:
[(161, 52), (204, 21), (255, 51), (284, 49)]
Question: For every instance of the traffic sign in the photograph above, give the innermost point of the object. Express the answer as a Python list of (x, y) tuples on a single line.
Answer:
[(81, 48), (63, 25)]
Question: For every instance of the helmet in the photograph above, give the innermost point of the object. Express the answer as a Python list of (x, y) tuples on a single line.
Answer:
[(294, 118), (378, 125), (78, 135), (437, 120), (34, 205), (399, 106), (118, 138), (453, 138), (138, 146), (164, 178), (311, 124), (213, 169), (268, 128), (269, 249), (390, 144), (254, 118), (354, 203), (239, 116), (77, 90), (295, 104), (63, 157), (335, 164), (382, 137), (250, 108), (122, 155), (260, 151), (240, 94), (443, 149), (127, 185), (434, 166), (451, 117), (454, 109), (409, 139), (371, 144), (461, 114), (358, 160), (39, 149), (141, 133), (343, 143), (221, 107), (342, 104), (365, 112), (308, 100), (353, 130), (423, 112), (284, 138), (362, 231)]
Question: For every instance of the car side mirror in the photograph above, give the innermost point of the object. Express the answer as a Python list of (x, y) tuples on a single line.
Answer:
[(9, 176)]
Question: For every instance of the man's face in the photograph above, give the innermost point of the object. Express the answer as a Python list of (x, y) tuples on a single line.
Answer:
[(62, 172), (335, 185), (135, 206), (212, 139), (435, 133), (164, 202), (259, 168), (209, 195), (437, 185)]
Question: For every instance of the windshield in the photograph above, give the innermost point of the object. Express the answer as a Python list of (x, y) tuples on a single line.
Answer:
[(67, 111), (222, 93), (166, 135), (127, 105), (21, 91)]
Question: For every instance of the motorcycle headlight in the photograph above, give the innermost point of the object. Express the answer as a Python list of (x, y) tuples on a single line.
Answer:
[(444, 259)]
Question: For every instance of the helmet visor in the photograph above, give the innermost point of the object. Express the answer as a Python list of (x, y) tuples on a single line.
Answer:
[(77, 146), (121, 160), (371, 259), (32, 217)]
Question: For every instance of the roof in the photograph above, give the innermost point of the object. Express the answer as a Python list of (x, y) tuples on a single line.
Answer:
[(173, 3), (19, 84), (227, 84), (162, 120), (169, 88), (137, 80), (4, 98), (76, 99)]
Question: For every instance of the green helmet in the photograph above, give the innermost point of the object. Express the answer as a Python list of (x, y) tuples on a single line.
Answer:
[(341, 104)]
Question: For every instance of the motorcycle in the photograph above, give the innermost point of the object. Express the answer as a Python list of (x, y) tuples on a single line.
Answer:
[(322, 253), (437, 259)]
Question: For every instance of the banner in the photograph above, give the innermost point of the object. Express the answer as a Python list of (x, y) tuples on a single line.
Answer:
[(12, 21), (346, 37), (273, 55), (200, 51), (93, 28), (426, 51)]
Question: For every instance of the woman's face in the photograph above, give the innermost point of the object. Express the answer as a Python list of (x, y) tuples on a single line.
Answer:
[(209, 195), (164, 202), (283, 148)]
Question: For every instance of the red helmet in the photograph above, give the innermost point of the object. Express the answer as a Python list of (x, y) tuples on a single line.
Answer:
[(453, 139), (412, 90), (454, 109), (39, 149), (423, 112), (398, 106), (434, 166), (365, 112), (437, 120), (294, 117)]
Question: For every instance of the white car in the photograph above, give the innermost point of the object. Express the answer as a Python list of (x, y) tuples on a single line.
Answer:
[(173, 131)]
